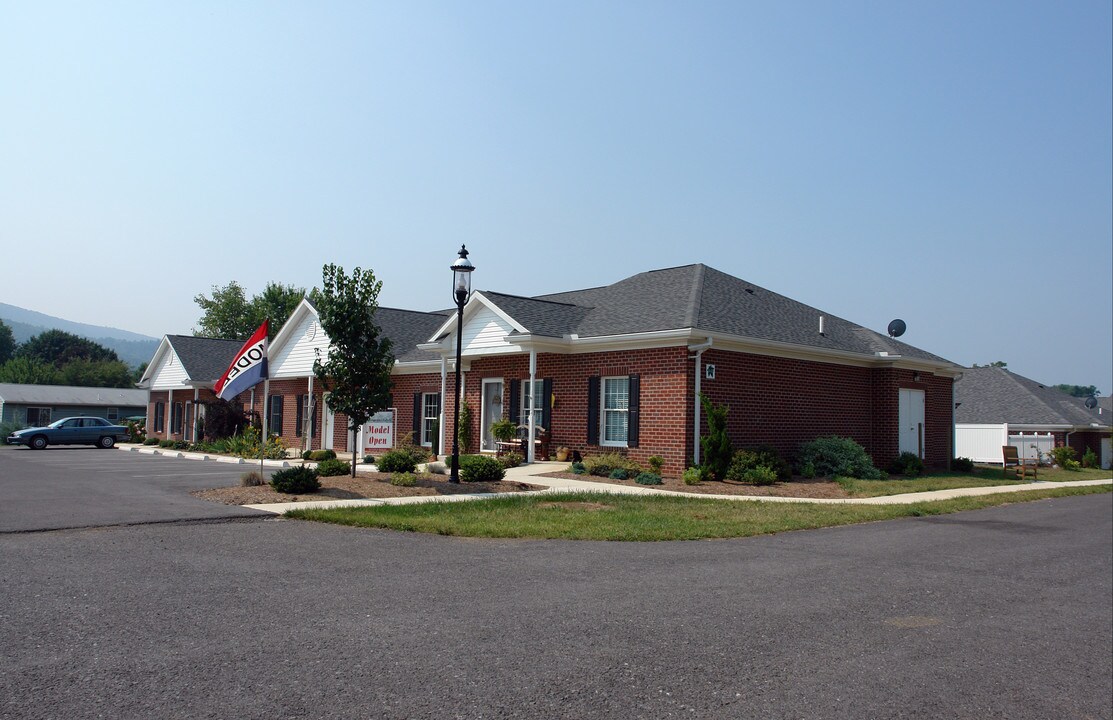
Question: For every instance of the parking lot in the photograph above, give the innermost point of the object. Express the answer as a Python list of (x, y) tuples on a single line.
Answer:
[(76, 486)]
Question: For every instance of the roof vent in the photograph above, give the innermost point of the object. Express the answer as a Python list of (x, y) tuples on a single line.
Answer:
[(820, 324), (750, 290)]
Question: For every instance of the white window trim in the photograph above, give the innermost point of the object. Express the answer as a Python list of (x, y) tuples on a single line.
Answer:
[(523, 411), (603, 442), (426, 438)]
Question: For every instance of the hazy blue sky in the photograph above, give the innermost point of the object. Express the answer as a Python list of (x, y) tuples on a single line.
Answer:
[(949, 163)]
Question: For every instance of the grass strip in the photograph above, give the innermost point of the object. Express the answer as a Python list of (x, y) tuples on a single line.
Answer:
[(605, 516)]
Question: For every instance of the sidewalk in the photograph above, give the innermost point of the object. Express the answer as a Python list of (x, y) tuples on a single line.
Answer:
[(532, 474)]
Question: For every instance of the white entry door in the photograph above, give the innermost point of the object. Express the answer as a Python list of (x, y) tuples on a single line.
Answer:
[(329, 424), (490, 412), (911, 419)]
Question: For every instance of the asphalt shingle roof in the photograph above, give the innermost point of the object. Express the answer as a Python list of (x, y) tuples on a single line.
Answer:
[(699, 297), (71, 395), (204, 359), (406, 329), (995, 395)]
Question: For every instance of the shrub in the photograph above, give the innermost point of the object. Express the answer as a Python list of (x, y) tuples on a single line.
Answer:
[(320, 455), (333, 467), (511, 460), (693, 476), (166, 443), (808, 470), (655, 462), (1062, 454), (838, 456), (368, 459), (404, 479), (760, 475), (480, 468), (151, 441), (602, 465), (907, 464), (648, 478), (716, 446), (252, 479), (181, 445), (619, 474), (296, 480), (306, 454), (962, 464), (1089, 458), (1072, 465), (137, 432), (577, 468), (397, 461), (764, 456)]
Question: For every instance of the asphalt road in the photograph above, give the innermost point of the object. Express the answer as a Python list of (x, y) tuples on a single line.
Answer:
[(72, 486), (1006, 612)]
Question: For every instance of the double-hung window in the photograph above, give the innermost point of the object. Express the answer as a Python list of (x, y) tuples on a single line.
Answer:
[(38, 416), (176, 418), (615, 411), (539, 406), (274, 422), (430, 415), (160, 416)]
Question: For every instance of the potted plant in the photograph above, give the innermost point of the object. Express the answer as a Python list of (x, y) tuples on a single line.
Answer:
[(562, 454), (504, 430)]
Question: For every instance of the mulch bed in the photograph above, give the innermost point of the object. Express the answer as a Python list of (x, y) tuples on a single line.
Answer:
[(364, 485), (799, 487)]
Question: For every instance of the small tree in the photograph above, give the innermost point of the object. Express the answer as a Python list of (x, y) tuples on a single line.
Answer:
[(7, 343), (463, 432), (357, 371), (716, 445)]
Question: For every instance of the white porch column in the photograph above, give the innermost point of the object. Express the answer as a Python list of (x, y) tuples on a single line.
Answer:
[(307, 419), (530, 452), (196, 412), (440, 420)]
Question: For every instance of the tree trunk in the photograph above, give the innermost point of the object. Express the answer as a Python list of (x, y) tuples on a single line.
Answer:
[(354, 450)]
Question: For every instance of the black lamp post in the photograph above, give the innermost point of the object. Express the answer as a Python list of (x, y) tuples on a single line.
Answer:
[(461, 288)]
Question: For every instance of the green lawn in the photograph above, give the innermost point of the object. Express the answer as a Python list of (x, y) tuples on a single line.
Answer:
[(981, 477), (602, 516)]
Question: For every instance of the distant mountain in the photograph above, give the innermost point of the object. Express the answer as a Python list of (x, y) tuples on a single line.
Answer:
[(132, 348)]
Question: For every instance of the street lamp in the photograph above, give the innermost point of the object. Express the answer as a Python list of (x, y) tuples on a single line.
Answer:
[(461, 288)]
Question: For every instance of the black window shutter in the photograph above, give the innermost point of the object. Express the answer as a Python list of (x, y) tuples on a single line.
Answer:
[(300, 415), (313, 417), (593, 410), (634, 421), (547, 405), (417, 418), (515, 401)]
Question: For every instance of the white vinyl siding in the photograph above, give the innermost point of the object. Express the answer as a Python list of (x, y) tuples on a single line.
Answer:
[(295, 357), (169, 375), (615, 414), (485, 329)]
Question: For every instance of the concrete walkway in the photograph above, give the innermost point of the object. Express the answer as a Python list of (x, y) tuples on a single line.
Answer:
[(532, 474)]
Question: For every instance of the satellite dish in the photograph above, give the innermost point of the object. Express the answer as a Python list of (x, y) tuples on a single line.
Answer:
[(897, 328), (1091, 402)]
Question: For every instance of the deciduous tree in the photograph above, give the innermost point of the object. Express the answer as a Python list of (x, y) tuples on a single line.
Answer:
[(356, 372)]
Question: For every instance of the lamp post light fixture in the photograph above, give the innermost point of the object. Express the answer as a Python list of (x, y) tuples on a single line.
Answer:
[(461, 289)]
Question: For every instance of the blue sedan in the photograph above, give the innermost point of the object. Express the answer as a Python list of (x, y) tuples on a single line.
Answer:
[(71, 431)]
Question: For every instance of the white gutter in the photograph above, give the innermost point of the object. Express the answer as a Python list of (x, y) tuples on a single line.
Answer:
[(698, 350)]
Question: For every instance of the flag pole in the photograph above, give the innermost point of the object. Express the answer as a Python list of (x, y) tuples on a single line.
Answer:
[(263, 440)]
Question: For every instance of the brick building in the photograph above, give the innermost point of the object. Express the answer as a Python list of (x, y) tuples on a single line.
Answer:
[(620, 368)]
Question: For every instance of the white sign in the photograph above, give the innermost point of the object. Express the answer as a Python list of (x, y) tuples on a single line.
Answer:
[(378, 433)]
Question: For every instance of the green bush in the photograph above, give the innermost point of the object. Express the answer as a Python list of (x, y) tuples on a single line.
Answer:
[(166, 443), (403, 479), (693, 476), (962, 464), (480, 468), (807, 470), (745, 460), (602, 465), (319, 455), (1089, 458), (151, 441), (137, 431), (511, 460), (332, 467), (838, 456), (760, 475), (907, 464), (577, 468), (1062, 454), (619, 474), (648, 478), (368, 459), (181, 445), (655, 463), (1072, 465), (296, 480), (306, 454), (397, 461), (716, 445)]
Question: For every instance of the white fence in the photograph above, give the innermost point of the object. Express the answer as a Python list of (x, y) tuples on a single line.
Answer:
[(983, 443)]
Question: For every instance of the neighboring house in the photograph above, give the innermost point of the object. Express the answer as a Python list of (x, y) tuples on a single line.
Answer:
[(179, 381), (37, 405), (996, 407), (619, 368)]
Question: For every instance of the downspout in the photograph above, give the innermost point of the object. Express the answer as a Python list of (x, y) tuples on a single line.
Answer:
[(532, 401), (698, 350), (440, 419)]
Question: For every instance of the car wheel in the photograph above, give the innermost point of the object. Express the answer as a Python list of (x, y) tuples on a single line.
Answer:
[(107, 441), (38, 442)]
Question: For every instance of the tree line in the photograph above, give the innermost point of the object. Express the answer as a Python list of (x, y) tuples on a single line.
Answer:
[(56, 357)]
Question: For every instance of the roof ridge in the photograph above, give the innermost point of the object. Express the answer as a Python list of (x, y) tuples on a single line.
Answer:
[(695, 299), (1015, 378), (538, 298)]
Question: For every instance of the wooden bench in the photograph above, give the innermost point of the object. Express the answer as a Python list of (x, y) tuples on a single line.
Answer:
[(1013, 463)]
